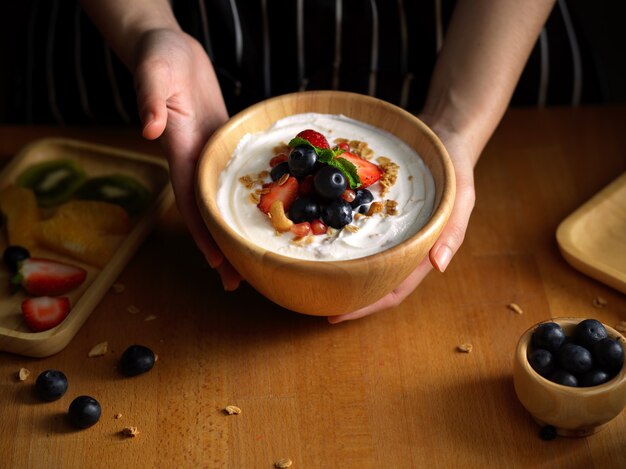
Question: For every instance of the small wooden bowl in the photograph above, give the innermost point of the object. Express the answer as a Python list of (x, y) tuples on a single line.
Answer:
[(328, 287), (574, 412)]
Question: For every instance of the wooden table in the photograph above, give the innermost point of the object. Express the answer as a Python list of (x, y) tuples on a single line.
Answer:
[(386, 391)]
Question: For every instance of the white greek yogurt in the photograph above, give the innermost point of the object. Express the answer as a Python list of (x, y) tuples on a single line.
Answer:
[(414, 191)]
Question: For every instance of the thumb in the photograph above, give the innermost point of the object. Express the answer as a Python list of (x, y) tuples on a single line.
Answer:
[(152, 93)]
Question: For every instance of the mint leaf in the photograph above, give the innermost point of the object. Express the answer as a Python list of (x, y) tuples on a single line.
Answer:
[(297, 141), (325, 156), (348, 169)]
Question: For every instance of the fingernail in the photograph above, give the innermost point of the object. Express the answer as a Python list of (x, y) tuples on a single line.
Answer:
[(334, 319), (442, 258), (230, 278)]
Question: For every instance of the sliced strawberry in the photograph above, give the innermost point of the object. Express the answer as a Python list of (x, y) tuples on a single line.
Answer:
[(318, 227), (286, 193), (45, 277), (278, 159), (314, 138), (44, 312), (348, 195), (344, 146), (367, 171), (301, 229)]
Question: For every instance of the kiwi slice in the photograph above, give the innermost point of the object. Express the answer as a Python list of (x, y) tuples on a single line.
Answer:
[(52, 182), (118, 189)]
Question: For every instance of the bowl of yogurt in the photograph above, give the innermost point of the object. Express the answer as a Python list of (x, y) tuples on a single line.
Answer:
[(324, 201)]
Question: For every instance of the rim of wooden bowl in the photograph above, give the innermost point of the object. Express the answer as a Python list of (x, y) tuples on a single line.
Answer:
[(522, 351), (434, 225)]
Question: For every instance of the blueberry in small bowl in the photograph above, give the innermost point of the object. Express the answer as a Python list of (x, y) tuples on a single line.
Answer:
[(577, 387)]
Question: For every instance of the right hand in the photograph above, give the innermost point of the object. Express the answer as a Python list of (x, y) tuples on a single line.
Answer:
[(180, 100)]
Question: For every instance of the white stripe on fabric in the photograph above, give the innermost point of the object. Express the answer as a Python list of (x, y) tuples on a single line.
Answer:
[(52, 97), (238, 34), (576, 59), (266, 49), (300, 39), (30, 62), (404, 36), (438, 26), (117, 99), (404, 57), (78, 67), (544, 71), (337, 61), (406, 90), (374, 59), (205, 29)]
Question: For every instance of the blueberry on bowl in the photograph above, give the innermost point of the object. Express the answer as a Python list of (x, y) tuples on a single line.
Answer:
[(574, 390)]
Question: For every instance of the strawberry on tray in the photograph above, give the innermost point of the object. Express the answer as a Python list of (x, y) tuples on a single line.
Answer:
[(45, 312), (45, 277)]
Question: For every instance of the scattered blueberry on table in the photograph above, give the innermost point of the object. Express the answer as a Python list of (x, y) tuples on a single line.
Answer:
[(51, 385), (84, 412), (547, 433), (136, 359)]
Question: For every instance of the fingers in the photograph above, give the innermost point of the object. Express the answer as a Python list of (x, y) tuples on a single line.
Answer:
[(230, 277), (392, 299), (453, 234), (151, 84), (182, 172)]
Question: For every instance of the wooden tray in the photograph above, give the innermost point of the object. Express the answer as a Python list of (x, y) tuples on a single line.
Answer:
[(96, 160), (593, 238)]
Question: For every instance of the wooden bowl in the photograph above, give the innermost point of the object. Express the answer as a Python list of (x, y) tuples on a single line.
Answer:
[(324, 288), (572, 411)]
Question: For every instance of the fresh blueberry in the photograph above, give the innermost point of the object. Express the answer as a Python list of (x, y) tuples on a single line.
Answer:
[(588, 332), (278, 170), (542, 362), (593, 378), (337, 213), (547, 433), (304, 209), (51, 385), (548, 336), (362, 201), (84, 411), (330, 182), (564, 378), (608, 355), (575, 359), (362, 197), (13, 255), (302, 160), (137, 359), (364, 208)]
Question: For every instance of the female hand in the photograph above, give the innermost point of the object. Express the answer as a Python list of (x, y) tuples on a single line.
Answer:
[(179, 98), (452, 235)]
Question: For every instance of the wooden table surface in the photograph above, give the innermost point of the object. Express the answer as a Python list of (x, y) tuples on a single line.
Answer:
[(389, 390)]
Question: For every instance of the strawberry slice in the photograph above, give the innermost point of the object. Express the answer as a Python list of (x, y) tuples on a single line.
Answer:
[(367, 171), (285, 192), (314, 138), (44, 312), (45, 277)]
